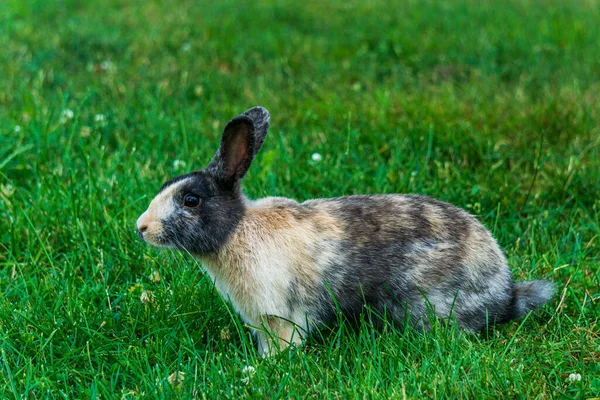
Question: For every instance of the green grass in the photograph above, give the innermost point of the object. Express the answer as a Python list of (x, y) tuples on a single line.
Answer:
[(492, 106)]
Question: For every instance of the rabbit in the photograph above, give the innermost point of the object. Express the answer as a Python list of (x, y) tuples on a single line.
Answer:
[(288, 267)]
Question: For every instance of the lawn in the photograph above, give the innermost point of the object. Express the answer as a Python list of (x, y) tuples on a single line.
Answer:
[(491, 106)]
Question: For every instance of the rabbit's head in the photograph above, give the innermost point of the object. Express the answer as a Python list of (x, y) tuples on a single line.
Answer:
[(198, 211)]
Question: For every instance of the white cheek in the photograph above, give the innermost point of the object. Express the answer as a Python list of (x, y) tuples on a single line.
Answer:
[(161, 208), (167, 209)]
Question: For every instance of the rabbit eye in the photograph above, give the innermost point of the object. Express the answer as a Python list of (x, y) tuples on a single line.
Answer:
[(191, 200)]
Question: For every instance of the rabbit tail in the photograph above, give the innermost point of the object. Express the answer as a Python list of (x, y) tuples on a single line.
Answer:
[(528, 296)]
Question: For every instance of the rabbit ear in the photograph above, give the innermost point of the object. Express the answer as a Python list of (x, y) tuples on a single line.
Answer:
[(261, 119), (242, 138)]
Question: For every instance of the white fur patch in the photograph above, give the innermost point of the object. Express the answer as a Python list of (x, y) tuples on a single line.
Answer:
[(269, 250)]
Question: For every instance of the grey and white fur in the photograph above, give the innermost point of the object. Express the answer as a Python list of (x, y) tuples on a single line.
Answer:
[(288, 267)]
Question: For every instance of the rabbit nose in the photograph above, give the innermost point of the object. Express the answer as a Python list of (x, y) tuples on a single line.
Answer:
[(141, 231), (142, 222)]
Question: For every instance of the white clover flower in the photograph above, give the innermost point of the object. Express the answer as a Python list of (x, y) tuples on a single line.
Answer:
[(316, 157), (225, 333), (67, 114), (186, 47), (178, 164), (574, 377), (147, 297), (7, 190), (85, 131), (106, 65), (155, 276), (17, 128), (249, 371), (176, 378), (100, 119)]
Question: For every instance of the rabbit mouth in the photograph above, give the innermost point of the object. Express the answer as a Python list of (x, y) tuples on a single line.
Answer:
[(156, 240)]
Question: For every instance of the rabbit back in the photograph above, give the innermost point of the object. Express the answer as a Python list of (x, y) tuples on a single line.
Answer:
[(405, 254)]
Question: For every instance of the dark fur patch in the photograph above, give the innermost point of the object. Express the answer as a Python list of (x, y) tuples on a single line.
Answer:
[(205, 228), (393, 260)]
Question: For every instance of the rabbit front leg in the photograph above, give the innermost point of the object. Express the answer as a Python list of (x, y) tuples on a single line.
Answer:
[(276, 334)]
